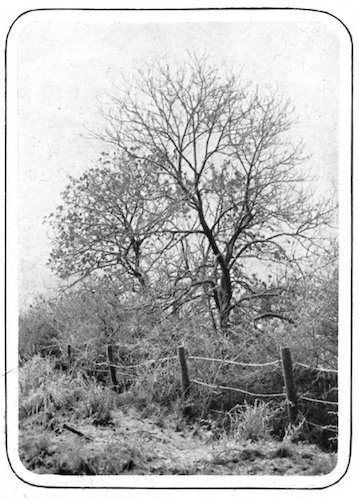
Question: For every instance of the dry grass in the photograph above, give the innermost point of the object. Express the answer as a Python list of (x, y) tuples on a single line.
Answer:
[(249, 423), (45, 390)]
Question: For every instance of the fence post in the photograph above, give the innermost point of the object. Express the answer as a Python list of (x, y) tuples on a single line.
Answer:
[(111, 367), (289, 384), (184, 371)]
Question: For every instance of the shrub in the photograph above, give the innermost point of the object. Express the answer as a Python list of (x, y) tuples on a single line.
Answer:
[(98, 313), (39, 329)]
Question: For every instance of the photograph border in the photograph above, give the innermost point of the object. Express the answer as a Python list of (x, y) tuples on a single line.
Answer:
[(6, 270)]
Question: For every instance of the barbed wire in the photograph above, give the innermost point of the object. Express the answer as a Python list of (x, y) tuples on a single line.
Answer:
[(109, 364), (113, 365), (318, 400), (151, 361), (236, 389), (317, 368), (228, 361), (329, 427)]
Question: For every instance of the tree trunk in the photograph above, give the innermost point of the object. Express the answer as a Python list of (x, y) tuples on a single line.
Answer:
[(223, 297), (137, 271)]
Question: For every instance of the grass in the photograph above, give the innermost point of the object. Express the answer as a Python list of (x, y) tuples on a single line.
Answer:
[(129, 432), (249, 422), (324, 465), (45, 390)]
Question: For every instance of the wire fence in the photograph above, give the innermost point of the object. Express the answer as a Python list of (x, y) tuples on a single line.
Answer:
[(322, 401), (121, 370), (290, 394), (124, 366), (236, 389), (317, 368), (257, 365), (238, 363)]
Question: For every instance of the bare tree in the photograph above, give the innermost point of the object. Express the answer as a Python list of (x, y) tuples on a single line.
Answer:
[(230, 170)]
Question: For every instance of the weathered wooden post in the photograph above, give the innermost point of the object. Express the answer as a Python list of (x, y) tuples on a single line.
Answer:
[(67, 361), (184, 371), (290, 389), (112, 367)]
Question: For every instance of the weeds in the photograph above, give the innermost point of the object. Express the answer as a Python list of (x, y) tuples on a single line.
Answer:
[(44, 390), (283, 451), (249, 422), (98, 404)]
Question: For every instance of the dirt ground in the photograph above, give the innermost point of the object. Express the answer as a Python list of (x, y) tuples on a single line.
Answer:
[(132, 444)]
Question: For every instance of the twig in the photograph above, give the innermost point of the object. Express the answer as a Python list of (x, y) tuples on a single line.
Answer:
[(78, 433)]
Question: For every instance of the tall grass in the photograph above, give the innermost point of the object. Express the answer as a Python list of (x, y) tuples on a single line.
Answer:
[(247, 422), (44, 390)]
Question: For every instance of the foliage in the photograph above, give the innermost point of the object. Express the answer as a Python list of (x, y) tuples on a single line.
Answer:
[(108, 218), (39, 329), (93, 317)]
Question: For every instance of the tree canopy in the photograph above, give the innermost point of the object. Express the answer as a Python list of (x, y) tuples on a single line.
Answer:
[(204, 186)]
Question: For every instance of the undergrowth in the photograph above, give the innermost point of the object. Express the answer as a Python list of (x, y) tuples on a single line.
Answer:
[(44, 390), (64, 366)]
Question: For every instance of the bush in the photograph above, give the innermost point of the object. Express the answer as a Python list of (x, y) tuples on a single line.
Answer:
[(39, 329)]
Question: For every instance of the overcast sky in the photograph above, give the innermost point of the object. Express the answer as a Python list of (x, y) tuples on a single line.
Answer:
[(67, 66)]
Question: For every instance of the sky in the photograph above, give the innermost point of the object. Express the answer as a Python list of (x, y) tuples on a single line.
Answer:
[(67, 67)]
